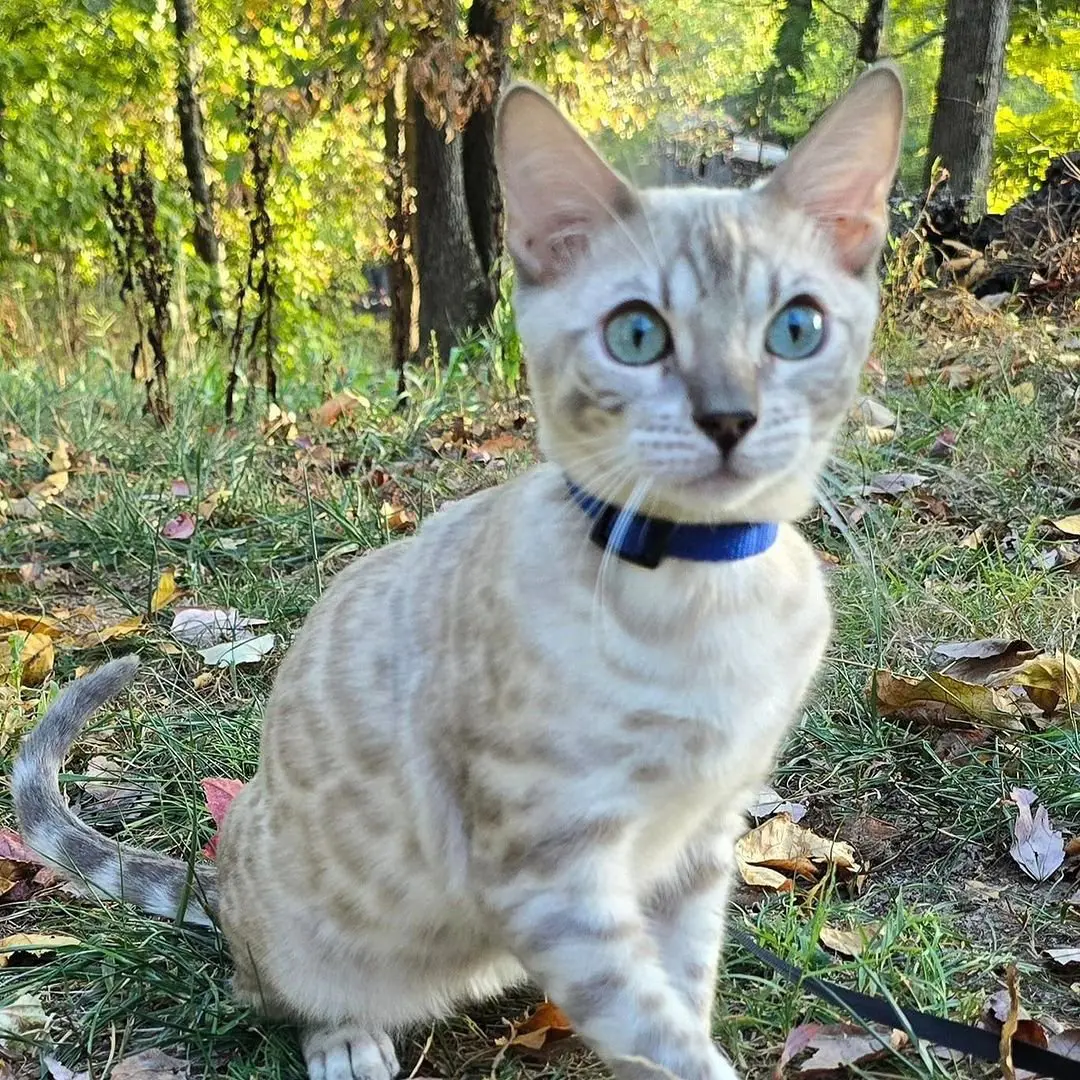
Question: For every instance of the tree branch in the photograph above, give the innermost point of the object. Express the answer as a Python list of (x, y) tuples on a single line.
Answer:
[(840, 15), (918, 43)]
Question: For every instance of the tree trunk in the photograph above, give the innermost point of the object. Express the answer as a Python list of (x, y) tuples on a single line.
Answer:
[(872, 29), (962, 131), (193, 144), (478, 153), (397, 230), (453, 289)]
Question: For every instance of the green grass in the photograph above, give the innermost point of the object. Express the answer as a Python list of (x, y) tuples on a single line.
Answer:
[(901, 585)]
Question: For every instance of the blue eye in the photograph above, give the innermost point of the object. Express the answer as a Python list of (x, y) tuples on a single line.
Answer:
[(636, 335), (797, 332)]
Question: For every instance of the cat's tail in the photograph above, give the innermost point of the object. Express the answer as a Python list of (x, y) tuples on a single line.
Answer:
[(156, 883)]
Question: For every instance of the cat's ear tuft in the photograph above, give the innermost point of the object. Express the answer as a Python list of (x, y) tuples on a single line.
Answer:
[(842, 171), (559, 192)]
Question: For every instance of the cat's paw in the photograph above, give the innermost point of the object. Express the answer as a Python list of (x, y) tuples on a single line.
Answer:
[(349, 1052)]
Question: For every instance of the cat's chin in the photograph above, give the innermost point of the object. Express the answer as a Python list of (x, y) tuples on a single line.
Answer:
[(722, 495)]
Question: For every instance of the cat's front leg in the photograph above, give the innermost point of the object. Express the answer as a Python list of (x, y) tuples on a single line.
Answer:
[(581, 934), (686, 917)]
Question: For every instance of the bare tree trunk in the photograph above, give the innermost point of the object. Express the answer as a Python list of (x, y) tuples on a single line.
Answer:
[(194, 150), (397, 229), (962, 132), (872, 30), (478, 152)]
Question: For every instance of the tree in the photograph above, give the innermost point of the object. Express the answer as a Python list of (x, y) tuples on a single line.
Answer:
[(962, 130), (872, 30), (193, 144)]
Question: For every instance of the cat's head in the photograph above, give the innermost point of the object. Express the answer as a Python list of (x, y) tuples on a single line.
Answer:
[(696, 347)]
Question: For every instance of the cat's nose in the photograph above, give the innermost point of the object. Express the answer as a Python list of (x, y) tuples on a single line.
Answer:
[(726, 428)]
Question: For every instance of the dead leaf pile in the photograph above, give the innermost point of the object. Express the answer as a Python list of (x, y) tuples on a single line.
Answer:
[(777, 852), (1004, 1014)]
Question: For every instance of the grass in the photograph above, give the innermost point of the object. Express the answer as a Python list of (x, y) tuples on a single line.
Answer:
[(902, 582)]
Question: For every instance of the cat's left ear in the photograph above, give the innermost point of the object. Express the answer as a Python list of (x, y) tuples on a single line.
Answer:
[(842, 171), (559, 192)]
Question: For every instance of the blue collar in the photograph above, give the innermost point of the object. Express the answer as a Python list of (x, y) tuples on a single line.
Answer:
[(647, 541)]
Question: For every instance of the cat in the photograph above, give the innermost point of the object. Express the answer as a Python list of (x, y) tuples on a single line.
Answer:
[(520, 744)]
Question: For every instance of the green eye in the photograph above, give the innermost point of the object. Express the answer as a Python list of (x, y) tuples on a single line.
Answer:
[(636, 335), (798, 331)]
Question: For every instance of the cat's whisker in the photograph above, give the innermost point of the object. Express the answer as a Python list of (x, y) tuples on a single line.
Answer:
[(615, 539)]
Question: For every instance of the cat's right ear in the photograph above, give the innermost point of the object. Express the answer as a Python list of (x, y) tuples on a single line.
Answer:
[(559, 192)]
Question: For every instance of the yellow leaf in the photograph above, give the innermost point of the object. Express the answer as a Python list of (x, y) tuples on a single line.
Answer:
[(1023, 393), (848, 942), (60, 459), (35, 944), (32, 624), (938, 699), (1048, 680), (31, 654), (212, 502), (1068, 525), (397, 518), (165, 592), (106, 633), (51, 486)]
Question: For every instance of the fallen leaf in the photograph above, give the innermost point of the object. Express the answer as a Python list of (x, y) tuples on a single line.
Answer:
[(1070, 526), (107, 789), (23, 1017), (769, 802), (837, 1046), (941, 700), (231, 653), (961, 376), (60, 458), (93, 638), (343, 404), (219, 793), (30, 623), (1004, 1014), (181, 527), (32, 655), (397, 518), (976, 661), (1023, 393), (1066, 1043), (1038, 850), (25, 509), (546, 1025), (180, 489), (165, 592), (893, 484), (50, 487), (12, 847), (209, 626), (975, 538), (983, 891), (1047, 679), (211, 503), (149, 1065), (848, 941), (496, 447), (873, 413), (1068, 958), (34, 944), (944, 445), (780, 845), (18, 443)]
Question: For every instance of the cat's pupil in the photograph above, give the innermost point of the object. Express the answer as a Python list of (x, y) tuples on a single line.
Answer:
[(641, 328)]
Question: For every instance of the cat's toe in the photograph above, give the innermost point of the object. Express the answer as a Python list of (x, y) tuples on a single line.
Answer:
[(349, 1053)]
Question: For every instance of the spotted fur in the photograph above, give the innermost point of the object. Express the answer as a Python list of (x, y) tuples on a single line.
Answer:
[(493, 752)]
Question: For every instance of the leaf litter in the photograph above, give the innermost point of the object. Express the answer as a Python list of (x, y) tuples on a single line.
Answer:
[(836, 1047), (778, 851)]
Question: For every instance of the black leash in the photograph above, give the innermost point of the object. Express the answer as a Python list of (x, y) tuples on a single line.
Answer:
[(947, 1033)]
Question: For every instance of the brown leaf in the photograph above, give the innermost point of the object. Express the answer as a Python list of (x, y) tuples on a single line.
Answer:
[(93, 638), (849, 941), (546, 1025), (1037, 849), (31, 623), (893, 484), (343, 404), (1003, 1013), (18, 443), (944, 445), (780, 845), (941, 700), (837, 1046), (211, 503), (12, 847), (976, 661), (397, 518), (149, 1065)]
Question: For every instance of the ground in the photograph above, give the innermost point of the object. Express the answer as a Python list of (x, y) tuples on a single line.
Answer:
[(962, 556)]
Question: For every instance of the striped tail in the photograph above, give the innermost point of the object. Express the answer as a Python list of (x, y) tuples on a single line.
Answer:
[(155, 883)]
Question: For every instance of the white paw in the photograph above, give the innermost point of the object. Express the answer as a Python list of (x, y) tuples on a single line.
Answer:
[(349, 1052)]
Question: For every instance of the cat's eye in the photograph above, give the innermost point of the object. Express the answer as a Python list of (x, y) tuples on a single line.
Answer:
[(636, 335), (797, 331)]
